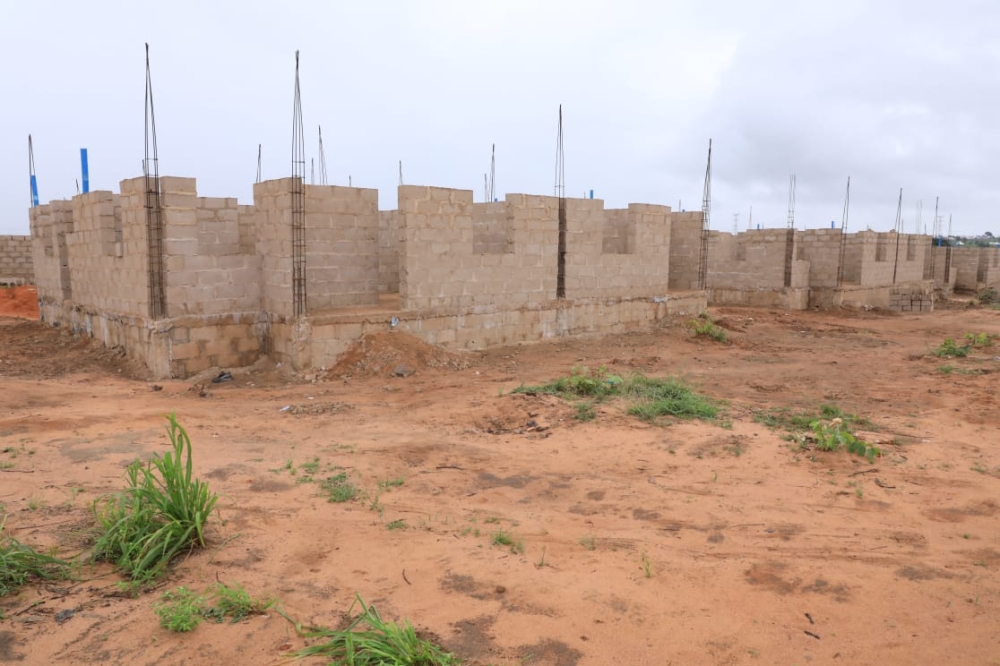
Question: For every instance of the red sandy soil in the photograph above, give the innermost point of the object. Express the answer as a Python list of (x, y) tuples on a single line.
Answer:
[(19, 302), (757, 552)]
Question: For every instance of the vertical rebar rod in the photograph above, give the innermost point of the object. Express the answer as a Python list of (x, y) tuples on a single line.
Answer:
[(259, 149), (843, 234), (560, 191), (322, 160), (899, 232), (790, 238), (934, 231), (706, 222), (154, 210), (493, 174), (298, 202)]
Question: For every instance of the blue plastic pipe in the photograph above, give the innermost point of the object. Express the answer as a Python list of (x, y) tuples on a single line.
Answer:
[(34, 191), (86, 170)]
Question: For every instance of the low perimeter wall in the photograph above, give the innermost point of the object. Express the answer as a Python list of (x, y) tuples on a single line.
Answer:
[(183, 346)]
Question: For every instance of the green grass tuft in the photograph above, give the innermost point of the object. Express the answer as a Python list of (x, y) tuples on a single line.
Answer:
[(20, 563), (235, 603), (368, 640), (650, 398), (161, 512)]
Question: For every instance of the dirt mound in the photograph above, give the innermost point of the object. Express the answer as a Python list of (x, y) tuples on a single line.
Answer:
[(394, 354), (36, 349), (19, 302)]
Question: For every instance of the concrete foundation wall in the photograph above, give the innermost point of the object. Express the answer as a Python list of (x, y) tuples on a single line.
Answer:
[(318, 341), (15, 258)]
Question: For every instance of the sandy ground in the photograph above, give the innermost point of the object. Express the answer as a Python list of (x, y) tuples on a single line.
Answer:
[(689, 543)]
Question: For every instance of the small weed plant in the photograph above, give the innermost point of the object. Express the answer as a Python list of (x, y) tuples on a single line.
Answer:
[(368, 640), (161, 512), (183, 610), (234, 603), (651, 399), (20, 563), (988, 297), (980, 339), (803, 421), (180, 610), (704, 327), (834, 435), (339, 488), (952, 349), (585, 412)]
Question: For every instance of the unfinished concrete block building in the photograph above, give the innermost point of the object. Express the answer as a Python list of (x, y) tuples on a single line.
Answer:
[(217, 284), (184, 283)]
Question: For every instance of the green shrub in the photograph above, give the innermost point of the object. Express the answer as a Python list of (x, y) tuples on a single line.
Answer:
[(161, 512)]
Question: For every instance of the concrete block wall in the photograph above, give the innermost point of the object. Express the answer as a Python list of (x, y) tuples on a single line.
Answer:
[(912, 297), (965, 264), (821, 249), (491, 228), (619, 233), (15, 258), (855, 247), (754, 259), (342, 247), (208, 270), (989, 267), (943, 274), (685, 250), (273, 221), (638, 266), (438, 265), (107, 257), (50, 223), (388, 251)]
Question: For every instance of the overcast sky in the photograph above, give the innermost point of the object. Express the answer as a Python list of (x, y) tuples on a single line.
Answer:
[(895, 94)]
